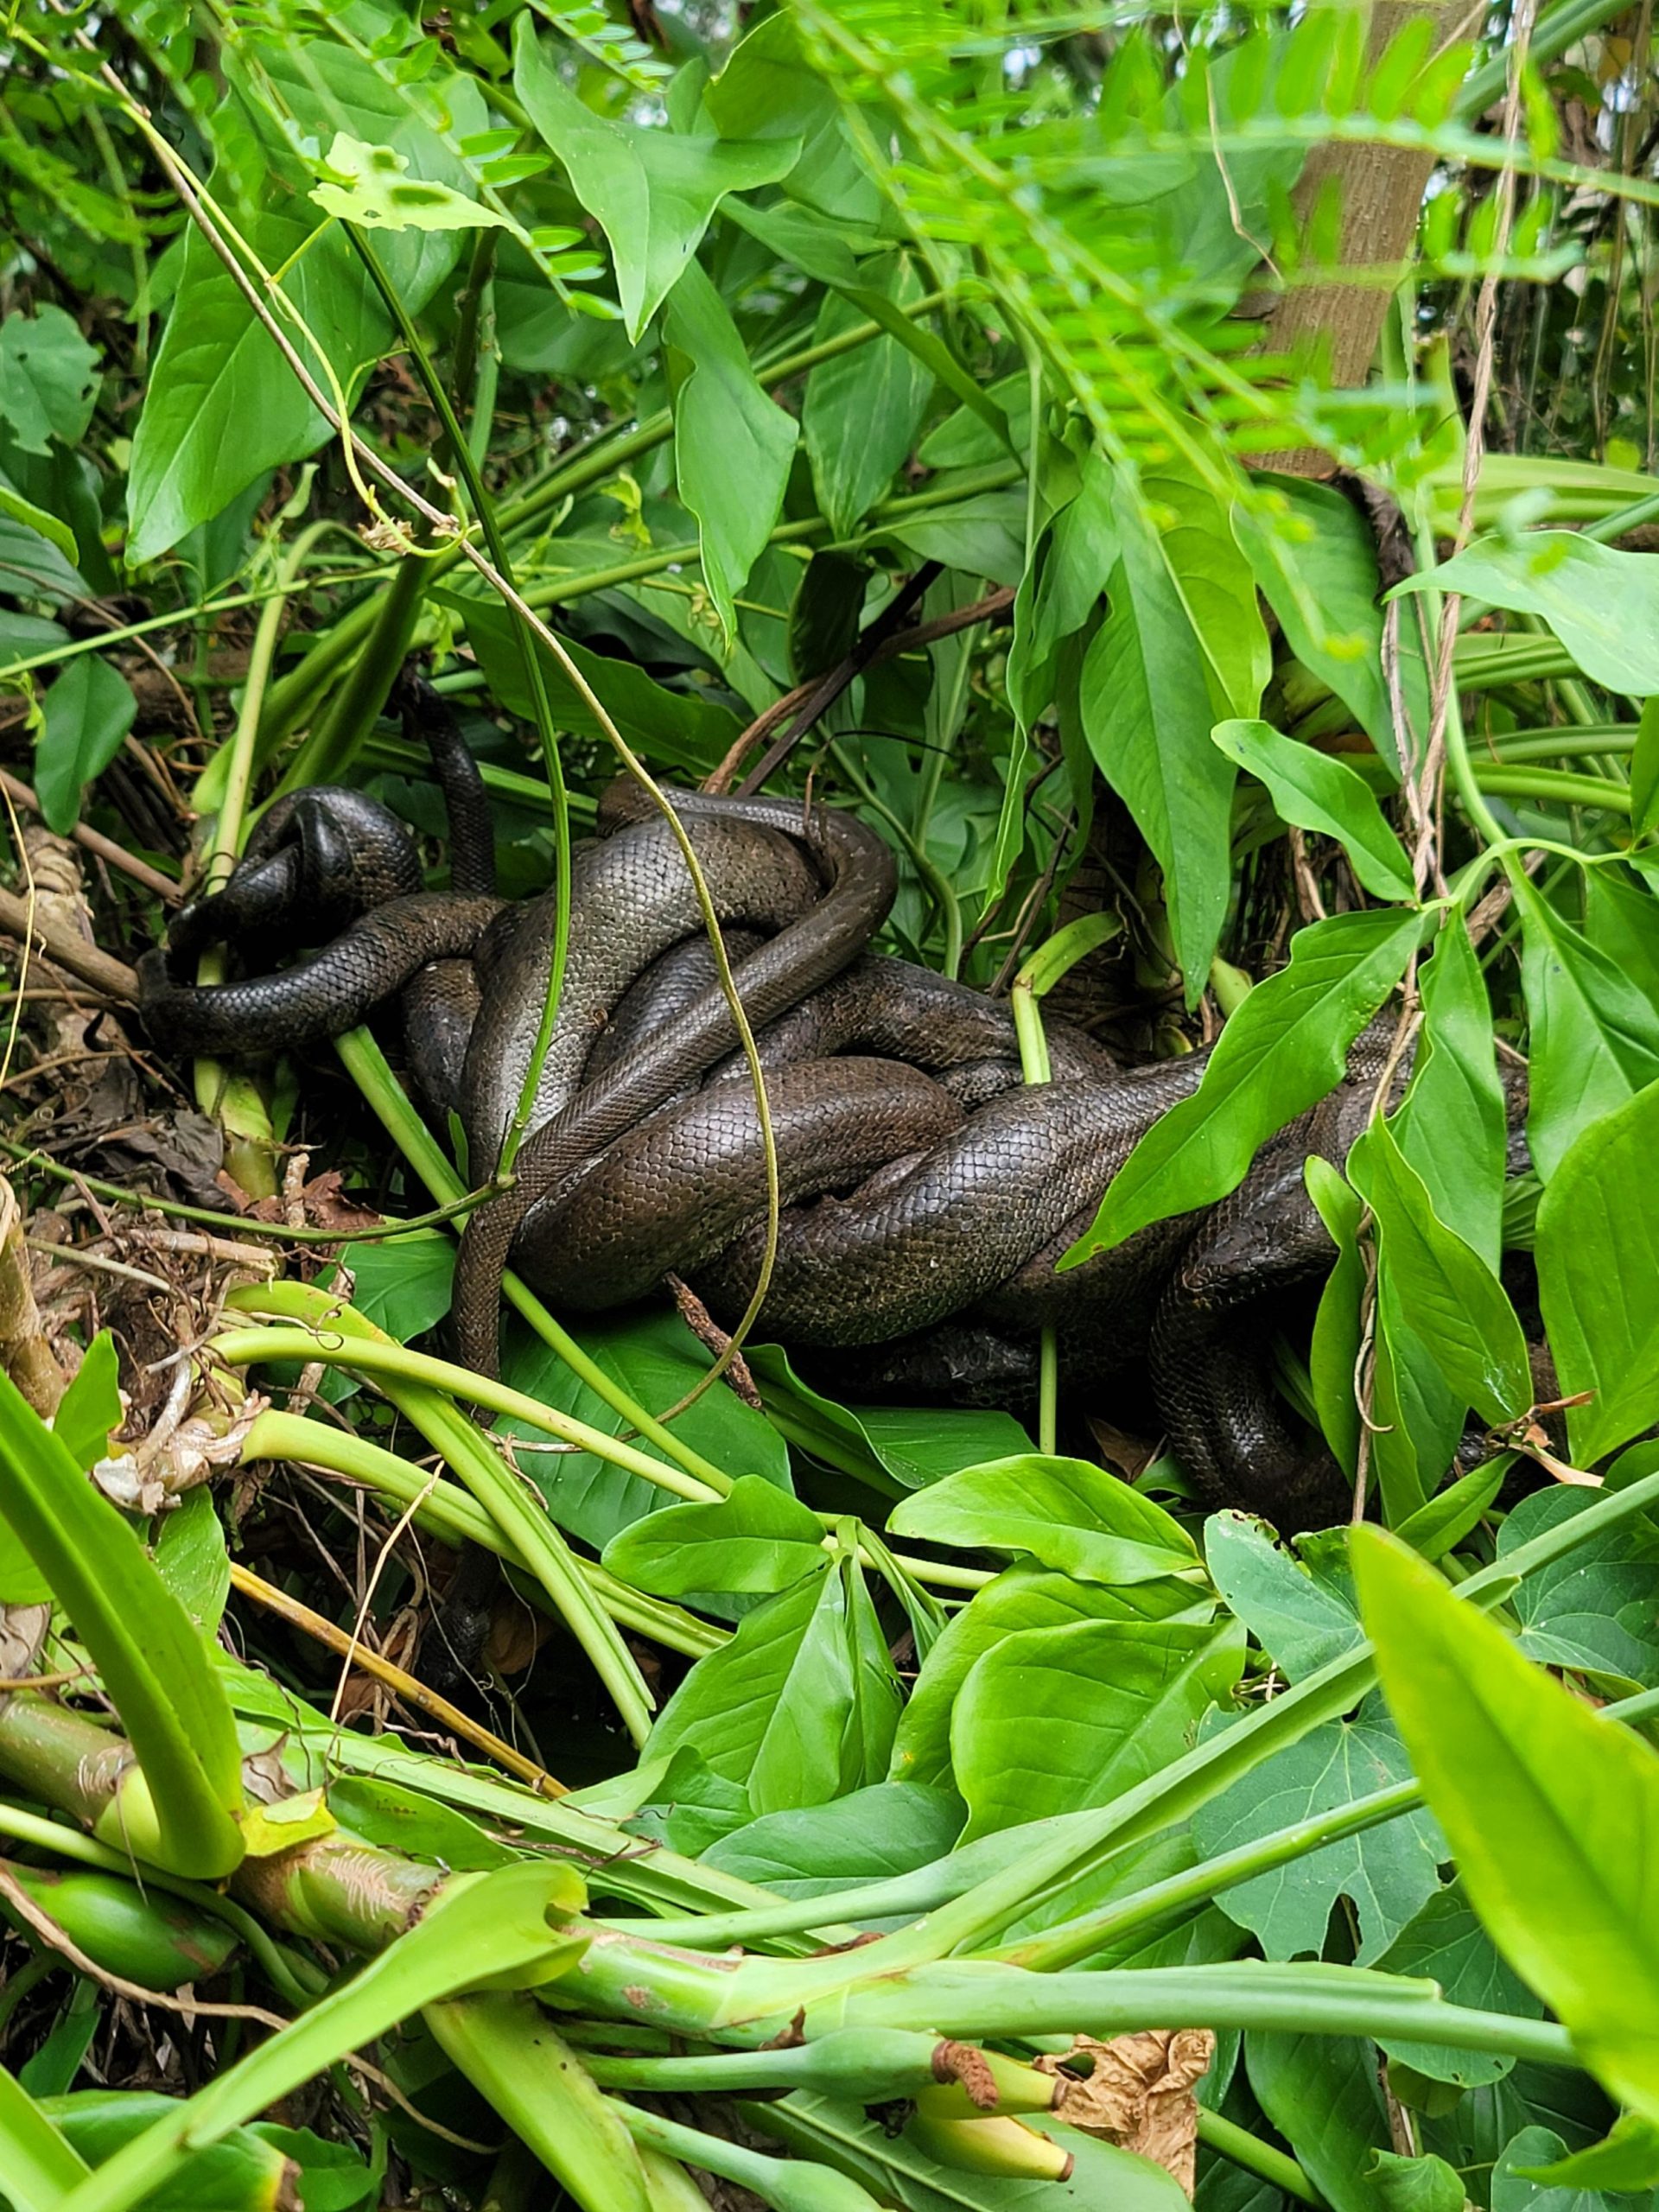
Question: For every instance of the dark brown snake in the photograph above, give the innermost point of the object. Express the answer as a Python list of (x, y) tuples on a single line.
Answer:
[(927, 1192)]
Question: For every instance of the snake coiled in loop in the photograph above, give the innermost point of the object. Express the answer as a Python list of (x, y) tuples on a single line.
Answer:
[(927, 1192)]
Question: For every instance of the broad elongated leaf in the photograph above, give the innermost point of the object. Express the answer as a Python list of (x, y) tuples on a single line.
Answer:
[(1315, 560), (1212, 577), (656, 1360), (88, 711), (892, 1828), (1451, 1124), (1601, 602), (862, 411), (1317, 791), (800, 1705), (1333, 1351), (1441, 1289), (1321, 2094), (249, 2169), (733, 445), (758, 1538), (1062, 1719), (497, 1930), (154, 1664), (1283, 1050), (1553, 1813), (1644, 772), (1598, 1252), (679, 729), (223, 406), (1143, 698), (1595, 1037), (1064, 1512), (1024, 1599), (892, 1447), (652, 192)]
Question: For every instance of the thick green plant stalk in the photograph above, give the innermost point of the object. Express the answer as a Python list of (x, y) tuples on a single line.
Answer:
[(366, 1064), (507, 2049), (177, 1791), (419, 1388), (233, 1097), (484, 1927), (39, 2164), (456, 1517)]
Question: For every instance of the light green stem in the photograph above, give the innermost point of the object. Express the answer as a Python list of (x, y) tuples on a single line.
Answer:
[(368, 1066), (1237, 2143)]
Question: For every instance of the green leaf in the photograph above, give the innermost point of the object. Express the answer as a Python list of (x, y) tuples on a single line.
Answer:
[(1212, 577), (800, 1705), (223, 406), (90, 1407), (248, 2169), (20, 510), (1299, 1606), (1144, 700), (1515, 2188), (756, 1539), (1602, 603), (656, 1360), (892, 1828), (861, 410), (1446, 1942), (89, 710), (1436, 1527), (1627, 2159), (502, 1929), (1448, 1297), (1059, 1719), (1023, 1598), (154, 1665), (1451, 1124), (192, 1558), (371, 186), (1283, 1052), (732, 446), (1595, 1038), (403, 1284), (39, 2164), (1597, 1609), (49, 382), (1333, 1351), (892, 1447), (652, 192), (1065, 1513), (1598, 1252), (1553, 1813), (1389, 1871), (1320, 2092), (983, 535), (1644, 772), (1315, 791), (1416, 2185), (1315, 560), (678, 729)]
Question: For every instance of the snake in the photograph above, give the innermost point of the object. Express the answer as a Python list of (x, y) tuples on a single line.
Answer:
[(927, 1191)]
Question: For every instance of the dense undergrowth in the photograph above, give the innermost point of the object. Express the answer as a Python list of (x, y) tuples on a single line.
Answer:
[(835, 1768)]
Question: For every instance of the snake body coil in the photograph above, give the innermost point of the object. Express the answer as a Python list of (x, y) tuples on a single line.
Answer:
[(927, 1192)]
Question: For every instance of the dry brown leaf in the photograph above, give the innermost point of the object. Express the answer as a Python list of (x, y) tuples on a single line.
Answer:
[(1138, 2093)]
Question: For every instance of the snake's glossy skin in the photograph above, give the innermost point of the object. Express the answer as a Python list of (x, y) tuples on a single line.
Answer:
[(926, 1192)]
